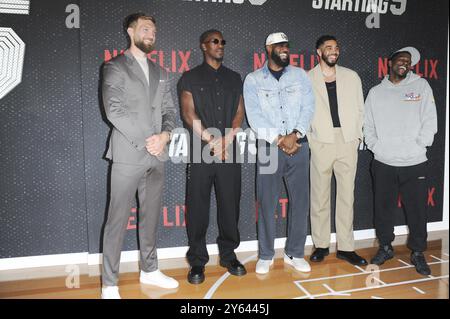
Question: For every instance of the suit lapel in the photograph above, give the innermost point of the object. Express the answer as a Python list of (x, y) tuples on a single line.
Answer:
[(136, 68), (340, 87), (319, 83)]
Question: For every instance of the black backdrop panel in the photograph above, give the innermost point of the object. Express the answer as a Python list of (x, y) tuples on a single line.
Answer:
[(42, 192), (54, 181)]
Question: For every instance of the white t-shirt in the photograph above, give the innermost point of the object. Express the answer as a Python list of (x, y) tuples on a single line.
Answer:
[(144, 66)]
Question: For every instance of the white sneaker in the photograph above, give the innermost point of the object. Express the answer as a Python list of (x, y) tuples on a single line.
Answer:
[(157, 278), (263, 266), (299, 264), (111, 292)]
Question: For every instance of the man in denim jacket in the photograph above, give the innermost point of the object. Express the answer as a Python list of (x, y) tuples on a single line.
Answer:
[(279, 104)]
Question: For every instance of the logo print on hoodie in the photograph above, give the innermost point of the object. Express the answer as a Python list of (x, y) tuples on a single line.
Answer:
[(412, 97)]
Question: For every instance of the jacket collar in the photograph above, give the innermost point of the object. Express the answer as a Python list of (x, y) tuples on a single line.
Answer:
[(266, 71)]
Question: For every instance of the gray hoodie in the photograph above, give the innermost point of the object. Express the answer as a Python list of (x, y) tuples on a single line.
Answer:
[(400, 121)]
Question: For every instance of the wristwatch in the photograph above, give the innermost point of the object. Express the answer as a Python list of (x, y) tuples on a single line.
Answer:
[(297, 133)]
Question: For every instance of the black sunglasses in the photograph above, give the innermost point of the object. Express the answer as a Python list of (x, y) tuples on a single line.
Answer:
[(216, 41)]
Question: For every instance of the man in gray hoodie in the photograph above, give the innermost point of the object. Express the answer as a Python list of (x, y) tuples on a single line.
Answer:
[(400, 123)]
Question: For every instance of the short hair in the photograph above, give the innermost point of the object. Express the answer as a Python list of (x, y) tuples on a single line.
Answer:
[(323, 39), (131, 20), (207, 33)]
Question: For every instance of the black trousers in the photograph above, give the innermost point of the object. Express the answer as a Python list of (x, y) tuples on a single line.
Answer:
[(226, 178), (412, 185)]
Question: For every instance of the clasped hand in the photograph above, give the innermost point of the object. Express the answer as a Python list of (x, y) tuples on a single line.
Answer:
[(155, 144), (288, 144)]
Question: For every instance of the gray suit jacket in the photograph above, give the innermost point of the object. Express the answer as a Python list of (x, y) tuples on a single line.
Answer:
[(135, 108)]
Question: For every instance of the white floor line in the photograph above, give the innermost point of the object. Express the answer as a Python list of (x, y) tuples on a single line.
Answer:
[(445, 254), (434, 257), (333, 292), (358, 274), (379, 280), (308, 295), (219, 281), (404, 262), (419, 291), (360, 269), (378, 287), (375, 297)]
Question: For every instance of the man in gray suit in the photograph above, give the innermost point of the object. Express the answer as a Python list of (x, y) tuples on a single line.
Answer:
[(138, 103)]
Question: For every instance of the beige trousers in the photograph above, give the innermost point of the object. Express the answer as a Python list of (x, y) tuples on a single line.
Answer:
[(341, 159)]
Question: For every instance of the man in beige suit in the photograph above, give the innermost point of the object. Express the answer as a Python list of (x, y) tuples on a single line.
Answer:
[(336, 131)]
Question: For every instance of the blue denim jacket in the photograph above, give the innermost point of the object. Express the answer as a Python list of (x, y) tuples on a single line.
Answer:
[(278, 107)]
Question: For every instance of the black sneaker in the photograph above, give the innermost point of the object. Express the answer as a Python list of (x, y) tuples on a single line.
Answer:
[(384, 253), (418, 260)]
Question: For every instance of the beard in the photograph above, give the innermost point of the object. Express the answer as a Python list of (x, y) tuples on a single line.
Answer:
[(219, 59), (146, 48), (330, 64), (278, 61)]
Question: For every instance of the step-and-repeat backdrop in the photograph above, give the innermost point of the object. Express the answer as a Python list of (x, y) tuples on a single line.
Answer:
[(54, 179)]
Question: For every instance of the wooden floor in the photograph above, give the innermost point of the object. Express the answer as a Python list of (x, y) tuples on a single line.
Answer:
[(333, 278)]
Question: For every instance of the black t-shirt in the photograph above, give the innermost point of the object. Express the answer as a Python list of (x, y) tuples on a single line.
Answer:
[(277, 74), (332, 98)]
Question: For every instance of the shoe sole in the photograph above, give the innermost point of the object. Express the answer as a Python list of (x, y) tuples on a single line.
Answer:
[(379, 264), (289, 263), (319, 260), (235, 273), (264, 273), (196, 281), (350, 262), (156, 285), (238, 273)]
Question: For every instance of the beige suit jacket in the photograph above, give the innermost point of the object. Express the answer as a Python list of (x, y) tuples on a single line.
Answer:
[(350, 106)]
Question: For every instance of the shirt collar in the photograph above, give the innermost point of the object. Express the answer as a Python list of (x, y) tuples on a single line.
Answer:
[(209, 68)]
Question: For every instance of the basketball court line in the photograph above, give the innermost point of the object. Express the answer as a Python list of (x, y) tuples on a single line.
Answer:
[(332, 292), (373, 287), (419, 291), (224, 277), (379, 280), (404, 262), (360, 269), (434, 257), (365, 272)]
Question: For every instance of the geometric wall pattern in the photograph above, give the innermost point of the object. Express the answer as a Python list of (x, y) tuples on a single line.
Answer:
[(12, 52), (15, 6)]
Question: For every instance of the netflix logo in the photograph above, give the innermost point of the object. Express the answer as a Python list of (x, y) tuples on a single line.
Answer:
[(171, 218), (426, 68), (174, 61), (281, 211), (430, 199), (304, 61)]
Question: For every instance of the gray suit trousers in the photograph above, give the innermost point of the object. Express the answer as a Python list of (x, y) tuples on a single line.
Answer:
[(125, 180)]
